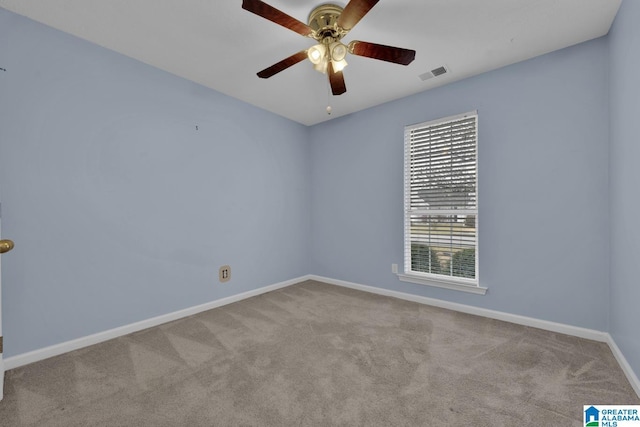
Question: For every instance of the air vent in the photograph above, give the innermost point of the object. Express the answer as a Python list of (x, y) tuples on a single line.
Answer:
[(439, 71), (433, 73)]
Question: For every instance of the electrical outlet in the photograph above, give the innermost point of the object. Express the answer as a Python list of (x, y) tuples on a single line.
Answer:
[(224, 274), (394, 268)]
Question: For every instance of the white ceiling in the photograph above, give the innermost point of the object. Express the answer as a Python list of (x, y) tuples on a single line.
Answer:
[(219, 45)]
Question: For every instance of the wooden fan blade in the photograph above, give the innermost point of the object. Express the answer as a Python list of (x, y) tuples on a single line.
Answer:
[(353, 13), (336, 79), (396, 55), (283, 65), (274, 15)]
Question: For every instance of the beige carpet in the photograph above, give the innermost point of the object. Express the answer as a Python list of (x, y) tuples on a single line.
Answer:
[(319, 355)]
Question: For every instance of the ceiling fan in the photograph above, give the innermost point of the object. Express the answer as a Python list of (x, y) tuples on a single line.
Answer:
[(328, 24)]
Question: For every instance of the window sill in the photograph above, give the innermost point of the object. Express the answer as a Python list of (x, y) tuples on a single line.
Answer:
[(446, 284)]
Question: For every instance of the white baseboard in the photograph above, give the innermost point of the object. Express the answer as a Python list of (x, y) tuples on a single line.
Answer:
[(492, 314), (624, 364), (57, 349), (1, 377), (498, 315)]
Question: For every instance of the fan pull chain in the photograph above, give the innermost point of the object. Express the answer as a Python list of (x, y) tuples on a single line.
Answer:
[(328, 98)]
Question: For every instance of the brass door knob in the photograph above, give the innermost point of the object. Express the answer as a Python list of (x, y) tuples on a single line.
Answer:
[(6, 246)]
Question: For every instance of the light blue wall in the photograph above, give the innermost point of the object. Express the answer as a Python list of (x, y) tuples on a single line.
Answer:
[(120, 209), (625, 177), (543, 148)]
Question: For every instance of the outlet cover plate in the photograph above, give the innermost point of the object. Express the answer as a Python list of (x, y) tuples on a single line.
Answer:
[(224, 274)]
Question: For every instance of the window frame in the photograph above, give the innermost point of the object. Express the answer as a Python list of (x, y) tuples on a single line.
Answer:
[(432, 279)]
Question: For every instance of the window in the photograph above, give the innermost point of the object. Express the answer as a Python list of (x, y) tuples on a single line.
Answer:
[(441, 203)]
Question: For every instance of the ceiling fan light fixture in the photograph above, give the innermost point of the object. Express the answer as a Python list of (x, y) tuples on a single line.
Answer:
[(316, 53), (339, 65), (338, 51), (319, 58), (321, 67)]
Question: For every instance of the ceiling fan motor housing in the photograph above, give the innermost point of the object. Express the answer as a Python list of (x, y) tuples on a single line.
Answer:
[(324, 22)]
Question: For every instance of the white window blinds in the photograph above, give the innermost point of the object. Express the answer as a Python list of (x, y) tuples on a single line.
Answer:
[(441, 200)]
